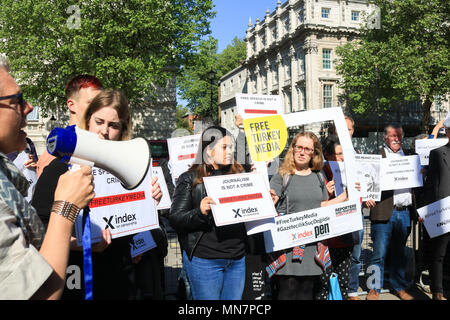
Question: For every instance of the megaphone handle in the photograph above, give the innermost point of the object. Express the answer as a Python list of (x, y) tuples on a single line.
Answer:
[(87, 255)]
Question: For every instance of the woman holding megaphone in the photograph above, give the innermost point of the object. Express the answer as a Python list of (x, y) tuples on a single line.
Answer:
[(108, 115), (213, 256)]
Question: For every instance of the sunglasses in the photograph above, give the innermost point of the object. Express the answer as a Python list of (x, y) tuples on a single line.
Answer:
[(19, 99)]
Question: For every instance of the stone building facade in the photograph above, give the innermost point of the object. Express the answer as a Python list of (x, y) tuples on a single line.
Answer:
[(291, 53)]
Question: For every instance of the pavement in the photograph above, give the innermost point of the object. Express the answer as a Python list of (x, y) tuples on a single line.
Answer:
[(418, 291)]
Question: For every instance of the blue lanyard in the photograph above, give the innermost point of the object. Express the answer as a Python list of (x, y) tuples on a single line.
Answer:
[(87, 255)]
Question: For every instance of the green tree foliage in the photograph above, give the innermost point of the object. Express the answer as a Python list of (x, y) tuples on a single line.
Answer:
[(195, 86), (127, 44), (408, 57)]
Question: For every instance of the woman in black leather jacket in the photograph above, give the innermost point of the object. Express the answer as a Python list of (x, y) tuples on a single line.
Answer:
[(214, 257)]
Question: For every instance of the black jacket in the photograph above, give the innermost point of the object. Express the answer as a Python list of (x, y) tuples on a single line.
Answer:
[(185, 215)]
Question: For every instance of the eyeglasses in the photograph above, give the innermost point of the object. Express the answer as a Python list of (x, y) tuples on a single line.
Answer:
[(16, 99), (301, 148)]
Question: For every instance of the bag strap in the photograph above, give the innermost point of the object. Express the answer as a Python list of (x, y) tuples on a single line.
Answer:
[(321, 179), (285, 183)]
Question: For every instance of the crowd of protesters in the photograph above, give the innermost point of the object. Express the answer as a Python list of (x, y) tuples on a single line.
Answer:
[(36, 235)]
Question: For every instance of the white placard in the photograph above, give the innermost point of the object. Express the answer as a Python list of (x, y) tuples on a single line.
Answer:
[(123, 212), (258, 105), (182, 152), (264, 224), (30, 174), (141, 243), (312, 225), (258, 226), (368, 172), (401, 173), (165, 201), (239, 198), (424, 146), (339, 176), (352, 220), (436, 217)]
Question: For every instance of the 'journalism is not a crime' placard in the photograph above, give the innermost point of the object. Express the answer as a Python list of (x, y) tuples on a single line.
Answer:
[(239, 198)]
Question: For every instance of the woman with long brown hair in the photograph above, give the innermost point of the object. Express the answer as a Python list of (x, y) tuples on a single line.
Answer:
[(296, 272), (213, 257)]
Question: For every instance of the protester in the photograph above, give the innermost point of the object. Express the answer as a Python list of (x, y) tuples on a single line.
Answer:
[(391, 225), (256, 282), (296, 272), (79, 93), (437, 187), (340, 247), (436, 129), (213, 257), (26, 272), (108, 115), (355, 268), (26, 162)]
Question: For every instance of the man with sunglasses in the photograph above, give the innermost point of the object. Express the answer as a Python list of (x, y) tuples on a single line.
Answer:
[(32, 265)]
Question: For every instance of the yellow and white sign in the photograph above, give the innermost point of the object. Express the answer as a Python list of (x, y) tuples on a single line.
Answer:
[(266, 137)]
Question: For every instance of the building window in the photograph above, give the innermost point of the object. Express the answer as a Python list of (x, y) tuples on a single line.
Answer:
[(288, 101), (275, 74), (264, 79), (326, 13), (33, 115), (302, 98), (286, 25), (273, 32), (327, 95), (301, 63), (301, 16), (326, 59), (355, 15), (437, 103), (287, 68)]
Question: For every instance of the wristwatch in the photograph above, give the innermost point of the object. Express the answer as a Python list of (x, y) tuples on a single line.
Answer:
[(66, 209)]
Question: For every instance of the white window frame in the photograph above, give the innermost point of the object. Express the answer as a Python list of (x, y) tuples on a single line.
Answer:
[(329, 59), (327, 95), (325, 13)]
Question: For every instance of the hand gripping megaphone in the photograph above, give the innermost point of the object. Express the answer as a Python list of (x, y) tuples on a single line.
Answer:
[(129, 160)]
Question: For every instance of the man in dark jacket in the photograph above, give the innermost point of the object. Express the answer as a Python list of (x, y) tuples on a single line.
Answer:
[(391, 225), (437, 187)]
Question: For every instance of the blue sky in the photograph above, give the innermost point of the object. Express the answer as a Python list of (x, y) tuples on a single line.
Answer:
[(231, 20)]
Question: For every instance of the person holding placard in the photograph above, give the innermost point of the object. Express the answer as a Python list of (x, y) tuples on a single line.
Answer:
[(437, 187), (213, 257), (108, 115), (391, 225), (340, 247), (296, 273)]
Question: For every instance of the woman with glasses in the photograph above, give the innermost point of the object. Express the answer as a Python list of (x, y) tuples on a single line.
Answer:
[(213, 256), (108, 116), (296, 271)]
